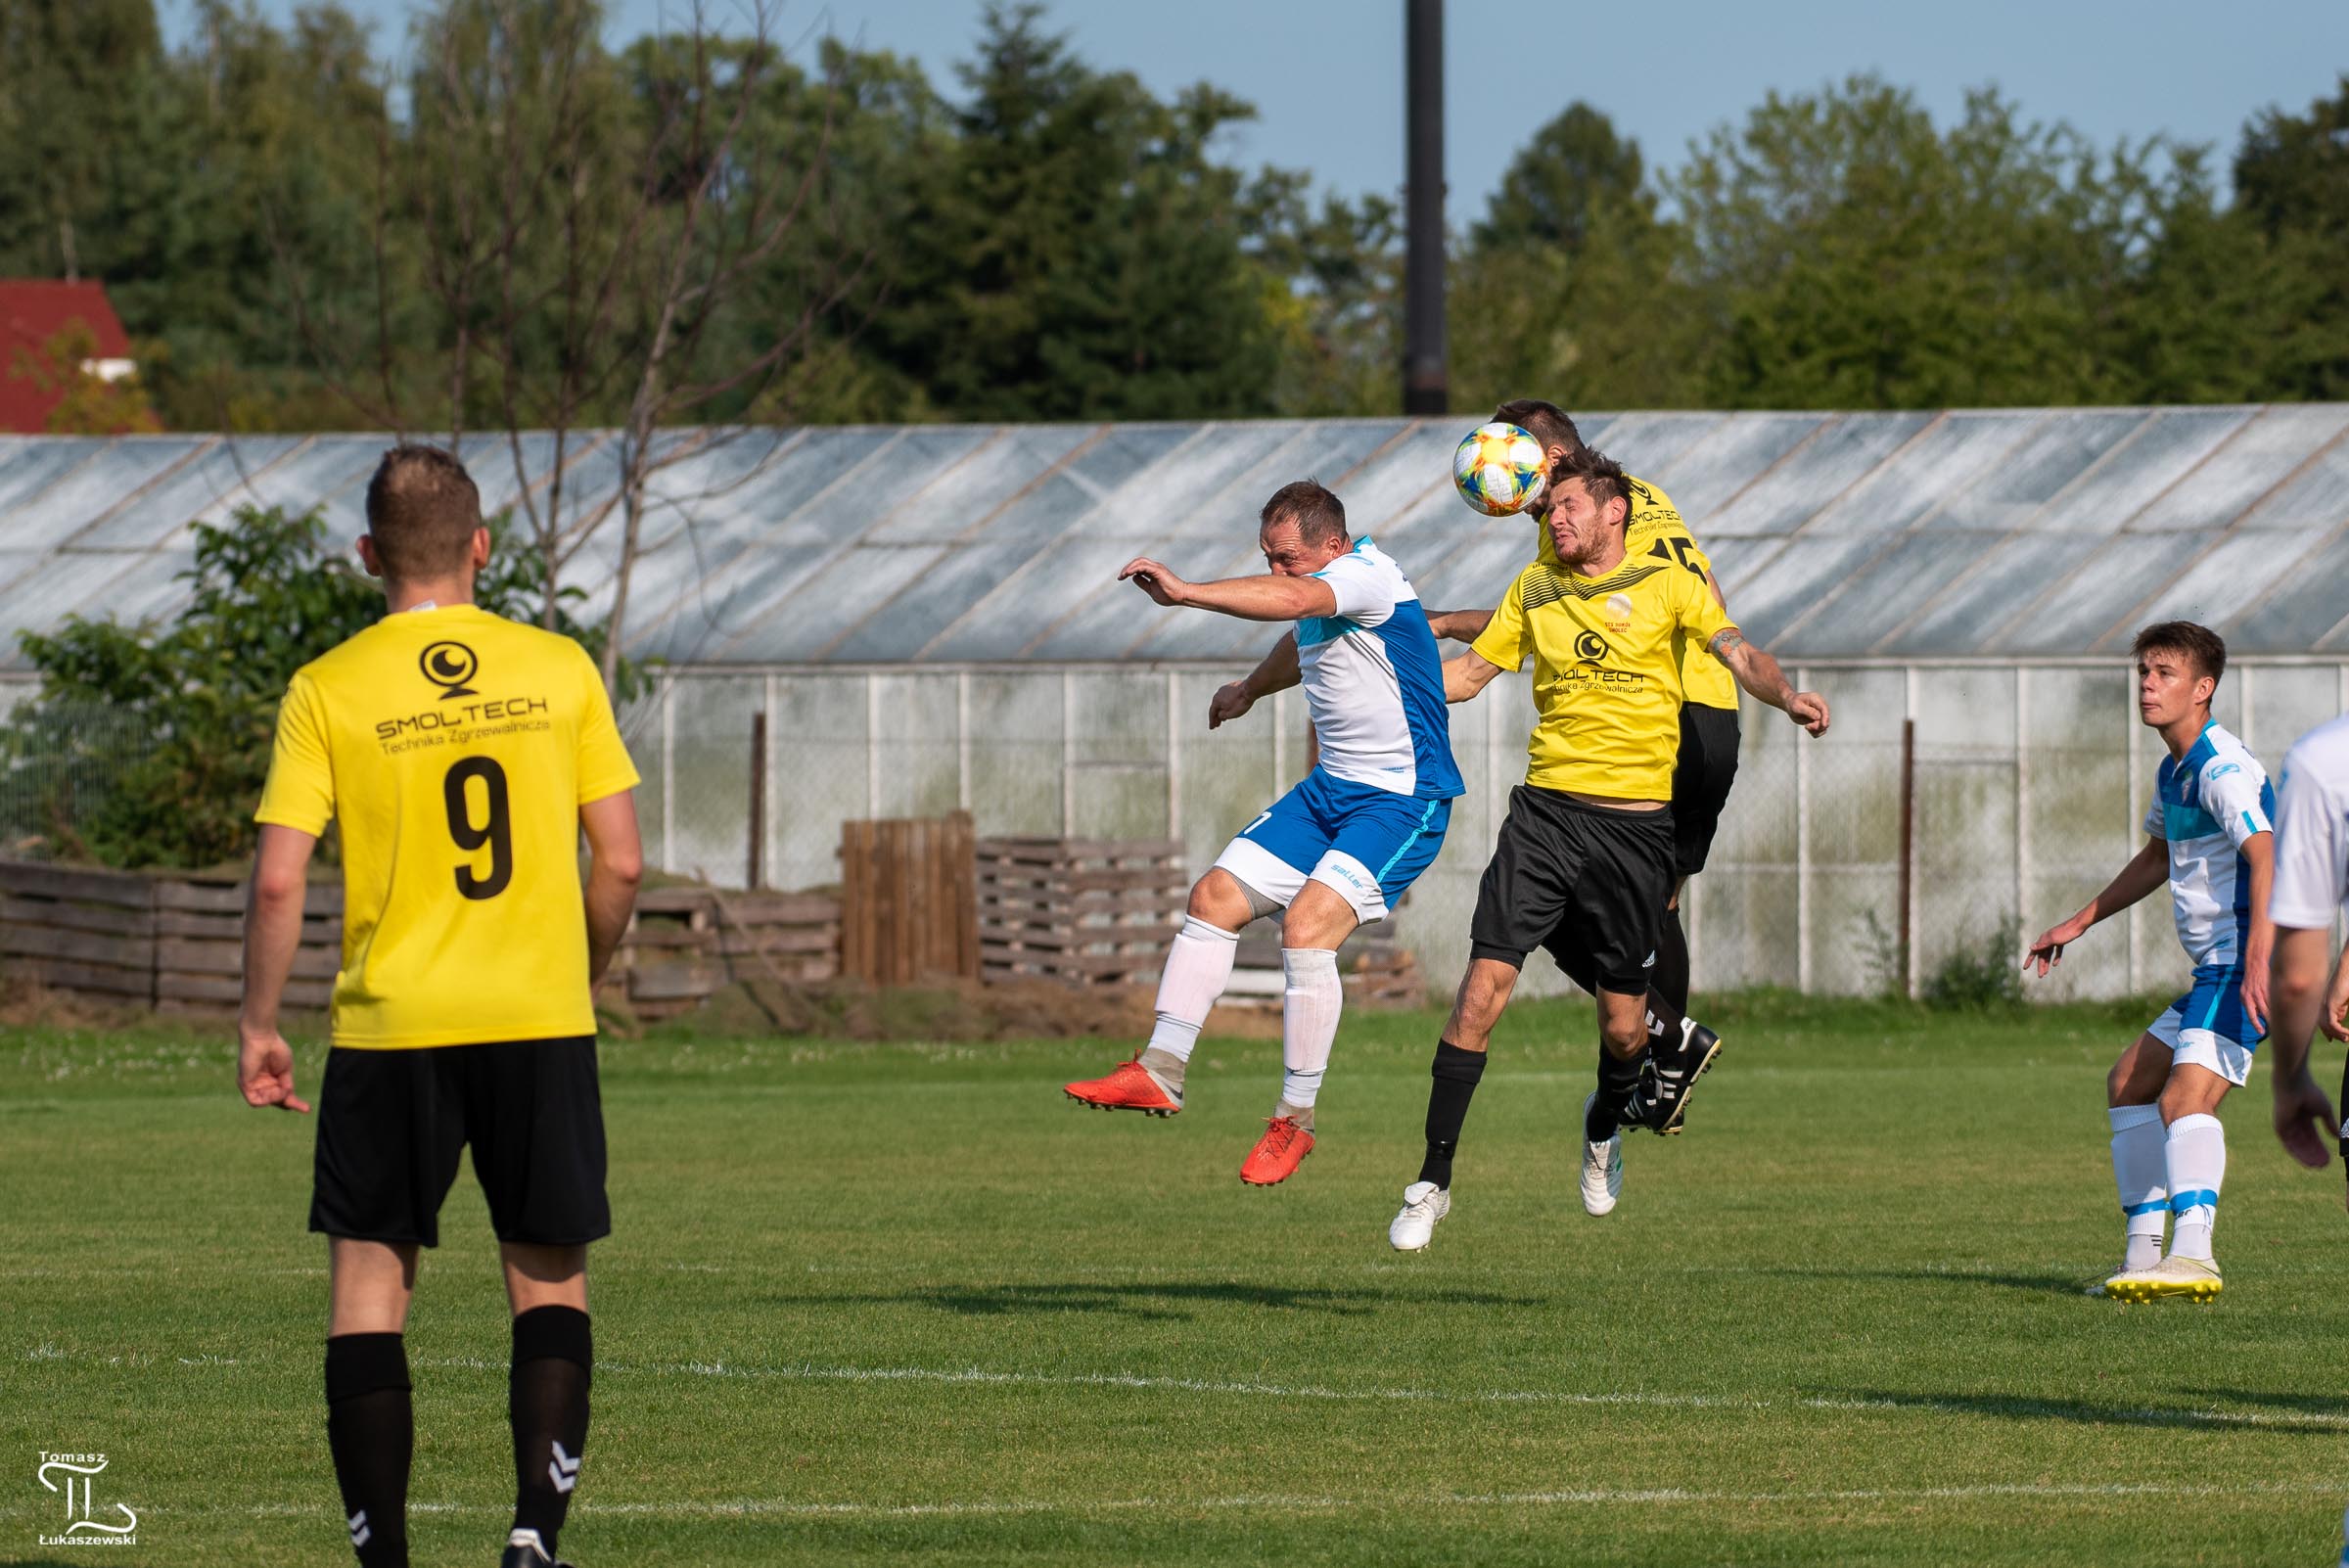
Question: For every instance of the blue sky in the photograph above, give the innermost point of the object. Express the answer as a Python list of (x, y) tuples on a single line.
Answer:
[(1326, 75)]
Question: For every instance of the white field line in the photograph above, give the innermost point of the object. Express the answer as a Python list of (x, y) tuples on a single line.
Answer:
[(1579, 1496), (2018, 1404)]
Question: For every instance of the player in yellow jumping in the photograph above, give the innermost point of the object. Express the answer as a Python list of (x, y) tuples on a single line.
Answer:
[(1706, 766), (1585, 857), (462, 756)]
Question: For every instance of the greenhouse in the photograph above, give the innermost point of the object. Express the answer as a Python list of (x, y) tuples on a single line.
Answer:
[(927, 619)]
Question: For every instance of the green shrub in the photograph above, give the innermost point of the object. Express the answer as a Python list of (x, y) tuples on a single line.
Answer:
[(1985, 973), (147, 745)]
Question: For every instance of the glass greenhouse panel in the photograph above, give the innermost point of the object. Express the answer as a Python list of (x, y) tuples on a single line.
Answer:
[(917, 748), (2091, 601), (102, 504), (1704, 477), (2283, 703), (2317, 496), (951, 502), (1856, 612), (2221, 587), (2224, 484), (800, 625), (1966, 615), (922, 608), (207, 484), (2155, 459), (2308, 611), (2063, 445), (1780, 499), (1946, 459), (30, 466), (1644, 443), (1395, 482), (1215, 488)]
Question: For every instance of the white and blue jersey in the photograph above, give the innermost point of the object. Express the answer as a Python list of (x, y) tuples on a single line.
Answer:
[(1371, 817), (2208, 805), (1375, 681)]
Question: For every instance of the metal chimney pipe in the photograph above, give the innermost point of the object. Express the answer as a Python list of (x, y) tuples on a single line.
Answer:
[(1425, 385)]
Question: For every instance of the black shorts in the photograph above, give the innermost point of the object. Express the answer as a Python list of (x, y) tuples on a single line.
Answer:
[(1575, 878), (391, 1124), (1700, 782)]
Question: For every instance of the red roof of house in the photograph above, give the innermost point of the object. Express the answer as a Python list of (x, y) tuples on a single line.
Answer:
[(31, 312)]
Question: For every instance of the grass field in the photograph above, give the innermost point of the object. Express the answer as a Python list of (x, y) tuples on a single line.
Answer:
[(904, 1302)]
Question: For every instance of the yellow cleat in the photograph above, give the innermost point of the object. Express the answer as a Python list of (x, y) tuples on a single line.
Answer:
[(2171, 1279)]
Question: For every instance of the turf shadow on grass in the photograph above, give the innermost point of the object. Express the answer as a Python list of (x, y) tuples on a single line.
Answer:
[(2024, 1407), (2038, 1284), (2304, 1403), (1170, 1300)]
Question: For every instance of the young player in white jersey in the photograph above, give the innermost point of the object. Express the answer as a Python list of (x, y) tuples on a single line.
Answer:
[(2312, 885), (1335, 852), (2208, 835)]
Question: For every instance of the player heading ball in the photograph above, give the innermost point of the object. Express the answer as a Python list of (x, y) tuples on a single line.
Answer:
[(1340, 847)]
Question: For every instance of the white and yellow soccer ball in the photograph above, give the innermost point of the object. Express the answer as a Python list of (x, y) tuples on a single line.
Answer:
[(1498, 467)]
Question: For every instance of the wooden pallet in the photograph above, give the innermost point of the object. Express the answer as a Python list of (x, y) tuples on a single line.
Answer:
[(1079, 911)]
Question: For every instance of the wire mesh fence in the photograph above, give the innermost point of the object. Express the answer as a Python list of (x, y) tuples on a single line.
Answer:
[(58, 770), (2025, 789)]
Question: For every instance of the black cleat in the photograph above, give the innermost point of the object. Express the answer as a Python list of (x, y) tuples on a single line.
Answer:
[(1675, 1071)]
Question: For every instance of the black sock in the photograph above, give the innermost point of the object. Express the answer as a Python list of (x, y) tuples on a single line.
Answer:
[(370, 1431), (1670, 977), (1617, 1078), (1455, 1072), (554, 1353)]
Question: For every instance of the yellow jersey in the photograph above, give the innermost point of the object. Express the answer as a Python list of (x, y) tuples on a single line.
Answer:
[(455, 748), (1607, 656), (1657, 531)]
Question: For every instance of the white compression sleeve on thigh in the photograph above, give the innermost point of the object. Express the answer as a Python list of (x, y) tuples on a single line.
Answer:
[(1198, 968), (2197, 1165), (2139, 1169), (1309, 1020)]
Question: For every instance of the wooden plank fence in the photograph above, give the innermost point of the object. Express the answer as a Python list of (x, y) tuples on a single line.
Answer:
[(177, 943), (1081, 911), (908, 899), (687, 943)]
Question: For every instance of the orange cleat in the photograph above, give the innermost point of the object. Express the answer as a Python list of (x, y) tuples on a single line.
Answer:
[(1276, 1154), (1130, 1087)]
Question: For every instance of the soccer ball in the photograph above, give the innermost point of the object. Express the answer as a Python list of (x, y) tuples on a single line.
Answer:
[(1497, 469)]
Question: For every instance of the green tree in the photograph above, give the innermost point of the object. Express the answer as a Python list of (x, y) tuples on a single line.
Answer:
[(1571, 286), (152, 741), (1851, 256), (2291, 183), (1079, 253)]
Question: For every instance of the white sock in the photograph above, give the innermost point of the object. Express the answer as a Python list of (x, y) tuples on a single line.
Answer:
[(2197, 1165), (1309, 1021), (2141, 1169), (1198, 968)]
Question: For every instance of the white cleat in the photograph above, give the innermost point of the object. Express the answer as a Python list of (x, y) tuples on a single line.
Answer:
[(1602, 1167), (1423, 1204)]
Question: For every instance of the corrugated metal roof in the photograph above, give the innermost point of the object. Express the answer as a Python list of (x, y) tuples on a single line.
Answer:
[(1996, 532)]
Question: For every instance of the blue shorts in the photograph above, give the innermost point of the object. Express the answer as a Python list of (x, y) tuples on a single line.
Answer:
[(1367, 844), (2209, 1027)]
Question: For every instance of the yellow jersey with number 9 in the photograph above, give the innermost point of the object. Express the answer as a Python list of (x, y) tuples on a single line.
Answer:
[(455, 749), (1656, 532)]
